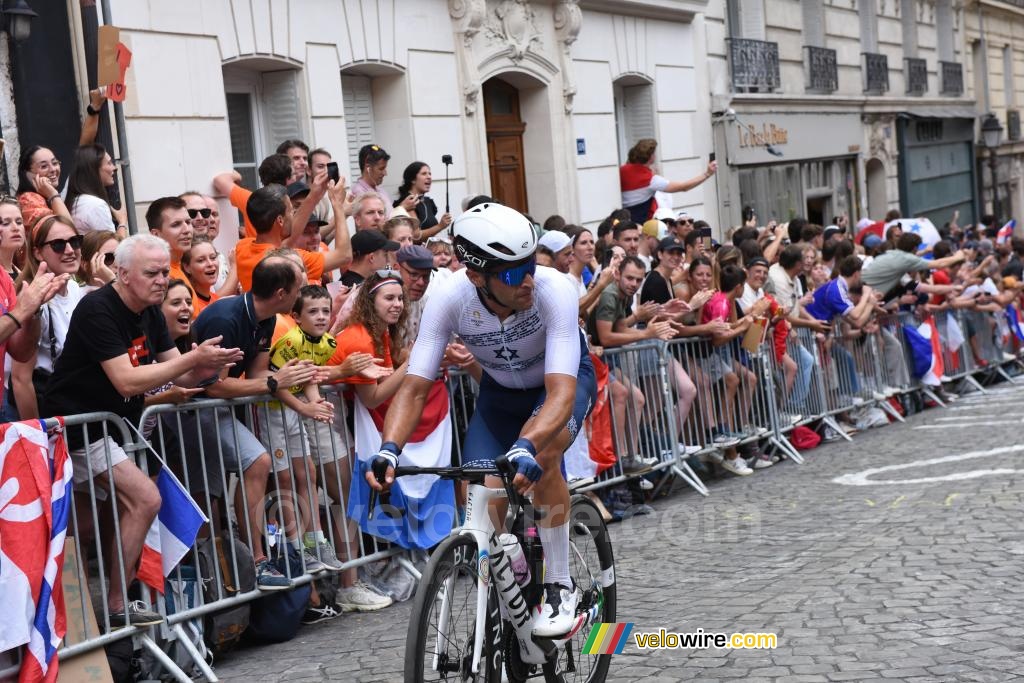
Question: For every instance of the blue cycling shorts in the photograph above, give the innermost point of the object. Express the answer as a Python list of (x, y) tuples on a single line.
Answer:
[(501, 413)]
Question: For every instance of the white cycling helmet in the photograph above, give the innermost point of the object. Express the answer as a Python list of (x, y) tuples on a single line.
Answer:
[(492, 236)]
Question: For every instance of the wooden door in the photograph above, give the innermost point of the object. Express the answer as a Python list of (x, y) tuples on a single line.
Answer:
[(505, 144)]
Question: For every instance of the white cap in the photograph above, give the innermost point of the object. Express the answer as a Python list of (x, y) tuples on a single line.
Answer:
[(555, 240)]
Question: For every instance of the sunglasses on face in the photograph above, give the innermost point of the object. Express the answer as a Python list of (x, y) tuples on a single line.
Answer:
[(108, 259), (514, 276), (205, 213), (388, 274), (60, 245)]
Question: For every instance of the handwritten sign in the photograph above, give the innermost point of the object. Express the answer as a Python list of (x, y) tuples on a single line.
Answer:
[(108, 70)]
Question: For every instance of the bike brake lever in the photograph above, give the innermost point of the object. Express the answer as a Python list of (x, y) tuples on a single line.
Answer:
[(380, 470)]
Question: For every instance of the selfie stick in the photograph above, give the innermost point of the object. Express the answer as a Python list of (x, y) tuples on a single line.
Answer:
[(447, 162)]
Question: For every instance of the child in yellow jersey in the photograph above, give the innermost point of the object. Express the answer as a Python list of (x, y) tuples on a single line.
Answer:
[(298, 427)]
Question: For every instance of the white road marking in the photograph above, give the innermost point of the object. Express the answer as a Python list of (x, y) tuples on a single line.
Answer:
[(973, 423), (863, 478)]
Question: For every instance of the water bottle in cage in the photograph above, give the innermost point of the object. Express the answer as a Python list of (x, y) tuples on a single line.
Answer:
[(514, 551)]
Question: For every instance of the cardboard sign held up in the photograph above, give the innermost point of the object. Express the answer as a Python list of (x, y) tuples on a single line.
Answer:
[(108, 70), (116, 90), (754, 336)]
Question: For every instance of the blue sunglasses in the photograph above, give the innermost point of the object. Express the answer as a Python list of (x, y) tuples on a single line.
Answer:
[(514, 276)]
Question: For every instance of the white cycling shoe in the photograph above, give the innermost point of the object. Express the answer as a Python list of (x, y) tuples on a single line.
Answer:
[(557, 614)]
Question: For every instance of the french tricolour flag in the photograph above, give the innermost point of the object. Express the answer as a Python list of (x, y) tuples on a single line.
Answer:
[(427, 502), (928, 330), (1006, 232), (173, 531), (35, 496)]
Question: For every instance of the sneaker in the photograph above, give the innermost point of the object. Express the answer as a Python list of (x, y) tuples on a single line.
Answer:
[(135, 614), (312, 564), (638, 463), (724, 439), (327, 556), (762, 461), (646, 484), (316, 614), (754, 430), (737, 466), (557, 612), (1009, 356), (269, 579), (361, 598), (830, 435)]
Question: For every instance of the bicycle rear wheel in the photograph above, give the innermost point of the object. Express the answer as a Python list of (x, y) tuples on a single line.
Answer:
[(592, 567), (442, 631)]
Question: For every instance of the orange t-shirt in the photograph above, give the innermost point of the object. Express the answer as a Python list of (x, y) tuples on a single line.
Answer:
[(178, 274), (249, 252), (198, 304), (356, 339), (281, 327), (239, 197)]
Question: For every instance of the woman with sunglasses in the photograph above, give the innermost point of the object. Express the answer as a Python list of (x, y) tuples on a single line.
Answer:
[(87, 192), (97, 259), (56, 243)]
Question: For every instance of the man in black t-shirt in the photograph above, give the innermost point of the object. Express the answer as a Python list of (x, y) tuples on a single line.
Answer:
[(118, 348)]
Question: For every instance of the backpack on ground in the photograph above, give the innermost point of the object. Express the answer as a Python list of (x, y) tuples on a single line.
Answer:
[(223, 629), (276, 618)]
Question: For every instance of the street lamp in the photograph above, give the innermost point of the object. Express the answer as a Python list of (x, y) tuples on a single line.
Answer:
[(991, 136), (17, 17)]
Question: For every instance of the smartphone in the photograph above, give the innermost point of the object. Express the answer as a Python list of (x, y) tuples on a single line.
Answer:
[(332, 171), (711, 157), (705, 238)]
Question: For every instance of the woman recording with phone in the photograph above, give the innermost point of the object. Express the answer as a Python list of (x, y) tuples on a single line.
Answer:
[(416, 182)]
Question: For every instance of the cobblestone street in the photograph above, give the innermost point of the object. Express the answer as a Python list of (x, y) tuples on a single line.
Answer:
[(910, 573)]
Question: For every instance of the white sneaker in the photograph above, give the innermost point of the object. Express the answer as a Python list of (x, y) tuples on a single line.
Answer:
[(1009, 356), (361, 598), (737, 466), (762, 461), (558, 611)]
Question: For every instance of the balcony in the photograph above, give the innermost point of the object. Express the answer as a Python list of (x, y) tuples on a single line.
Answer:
[(876, 73), (916, 73), (952, 78), (754, 65), (821, 69), (1013, 124)]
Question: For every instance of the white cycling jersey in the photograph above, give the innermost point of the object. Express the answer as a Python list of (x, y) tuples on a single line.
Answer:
[(516, 352)]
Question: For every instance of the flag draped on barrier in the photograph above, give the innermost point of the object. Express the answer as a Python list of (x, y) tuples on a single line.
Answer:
[(172, 533), (35, 496)]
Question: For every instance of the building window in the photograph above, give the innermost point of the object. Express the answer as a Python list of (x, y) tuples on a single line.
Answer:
[(868, 26), (264, 109), (814, 22), (634, 114), (746, 19), (357, 92), (1009, 92)]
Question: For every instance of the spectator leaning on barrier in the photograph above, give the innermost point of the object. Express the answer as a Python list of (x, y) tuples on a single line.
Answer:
[(118, 348), (247, 322), (276, 169), (886, 272)]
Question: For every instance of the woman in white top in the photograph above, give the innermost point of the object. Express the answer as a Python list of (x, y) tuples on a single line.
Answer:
[(87, 192), (56, 242)]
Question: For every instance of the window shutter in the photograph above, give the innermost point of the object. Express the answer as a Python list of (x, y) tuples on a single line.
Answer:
[(281, 107), (814, 23), (358, 96), (751, 16), (638, 111)]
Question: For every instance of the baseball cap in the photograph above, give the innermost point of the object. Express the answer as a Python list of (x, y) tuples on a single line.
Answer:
[(654, 228), (555, 240), (757, 261), (872, 241), (683, 216), (670, 244), (416, 256), (297, 188), (369, 241), (832, 230), (314, 219)]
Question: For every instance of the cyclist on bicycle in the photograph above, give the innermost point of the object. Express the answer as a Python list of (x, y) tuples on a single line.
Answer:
[(520, 322)]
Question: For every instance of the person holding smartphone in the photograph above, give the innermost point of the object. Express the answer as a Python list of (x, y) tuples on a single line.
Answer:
[(416, 183), (639, 182)]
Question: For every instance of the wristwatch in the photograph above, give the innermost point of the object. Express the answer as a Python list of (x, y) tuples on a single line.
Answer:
[(271, 385), (90, 111)]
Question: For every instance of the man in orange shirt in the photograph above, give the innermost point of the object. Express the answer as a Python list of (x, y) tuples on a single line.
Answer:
[(274, 170), (270, 211), (168, 219)]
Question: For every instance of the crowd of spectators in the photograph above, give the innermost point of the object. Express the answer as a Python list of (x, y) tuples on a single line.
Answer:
[(326, 285)]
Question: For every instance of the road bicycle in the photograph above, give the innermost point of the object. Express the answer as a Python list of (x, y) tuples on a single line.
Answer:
[(471, 617)]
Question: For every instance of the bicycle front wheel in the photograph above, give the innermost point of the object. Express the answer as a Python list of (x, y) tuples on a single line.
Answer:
[(592, 567), (442, 630)]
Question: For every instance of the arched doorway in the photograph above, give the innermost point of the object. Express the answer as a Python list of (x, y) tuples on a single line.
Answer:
[(878, 201), (505, 153)]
